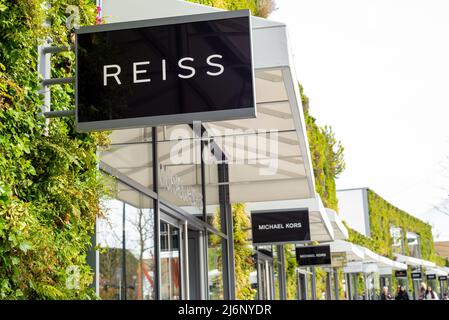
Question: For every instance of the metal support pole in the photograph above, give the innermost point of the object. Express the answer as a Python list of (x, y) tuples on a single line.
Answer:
[(157, 230), (336, 293), (282, 273), (124, 252), (328, 285), (348, 286), (186, 261), (44, 69), (313, 283)]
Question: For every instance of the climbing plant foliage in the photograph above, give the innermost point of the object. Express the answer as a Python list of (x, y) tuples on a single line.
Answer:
[(49, 184), (260, 8)]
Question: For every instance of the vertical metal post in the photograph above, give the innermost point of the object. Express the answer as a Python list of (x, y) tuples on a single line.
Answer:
[(313, 283), (328, 285), (186, 261), (157, 239), (282, 273), (227, 227), (124, 252), (336, 284), (348, 287), (44, 69)]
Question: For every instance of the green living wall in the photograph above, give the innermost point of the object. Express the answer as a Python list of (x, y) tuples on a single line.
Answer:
[(49, 184), (260, 8), (383, 215)]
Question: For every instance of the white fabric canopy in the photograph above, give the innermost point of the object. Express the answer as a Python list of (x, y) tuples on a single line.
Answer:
[(412, 261)]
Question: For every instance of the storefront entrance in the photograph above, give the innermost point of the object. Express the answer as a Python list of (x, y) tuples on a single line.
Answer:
[(181, 263)]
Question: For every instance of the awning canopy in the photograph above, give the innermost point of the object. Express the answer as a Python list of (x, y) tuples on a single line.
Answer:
[(351, 251), (360, 267), (361, 259), (436, 271), (279, 170), (340, 231), (414, 262)]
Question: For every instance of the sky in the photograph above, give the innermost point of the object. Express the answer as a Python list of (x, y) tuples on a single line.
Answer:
[(377, 71)]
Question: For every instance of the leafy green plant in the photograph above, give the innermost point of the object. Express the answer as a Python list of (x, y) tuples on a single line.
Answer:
[(49, 184)]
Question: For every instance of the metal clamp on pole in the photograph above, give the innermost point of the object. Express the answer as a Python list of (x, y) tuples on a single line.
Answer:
[(53, 81), (51, 50), (59, 113)]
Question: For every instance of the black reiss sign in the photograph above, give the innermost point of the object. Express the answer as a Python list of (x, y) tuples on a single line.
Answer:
[(313, 255), (165, 71), (416, 275), (283, 226), (431, 276)]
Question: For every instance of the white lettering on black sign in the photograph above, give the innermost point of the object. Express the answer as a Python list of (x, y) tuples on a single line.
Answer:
[(280, 226)]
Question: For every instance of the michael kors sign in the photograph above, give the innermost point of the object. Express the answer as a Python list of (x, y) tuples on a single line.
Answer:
[(165, 71), (280, 226)]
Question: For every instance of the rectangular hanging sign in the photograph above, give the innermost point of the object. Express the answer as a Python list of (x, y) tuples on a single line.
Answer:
[(416, 275), (165, 71), (442, 278), (280, 226), (313, 255), (431, 276), (400, 273)]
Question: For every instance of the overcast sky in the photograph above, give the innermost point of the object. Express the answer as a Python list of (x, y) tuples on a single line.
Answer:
[(377, 71)]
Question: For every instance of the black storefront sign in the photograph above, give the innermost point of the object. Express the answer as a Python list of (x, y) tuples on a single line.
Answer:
[(313, 255), (400, 273), (283, 226), (431, 276), (442, 278), (165, 71), (416, 275)]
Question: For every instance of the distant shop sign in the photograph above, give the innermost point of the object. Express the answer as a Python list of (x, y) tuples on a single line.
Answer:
[(416, 275), (400, 273), (442, 278), (431, 276), (280, 226), (313, 255), (165, 71)]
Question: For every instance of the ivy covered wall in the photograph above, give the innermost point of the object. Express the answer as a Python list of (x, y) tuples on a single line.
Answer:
[(383, 215), (327, 156), (49, 185), (260, 8)]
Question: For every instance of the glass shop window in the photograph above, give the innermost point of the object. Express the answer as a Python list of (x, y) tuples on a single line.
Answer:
[(126, 238), (413, 243), (215, 266), (398, 241)]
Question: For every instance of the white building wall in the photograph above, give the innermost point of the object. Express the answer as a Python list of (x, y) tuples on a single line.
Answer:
[(353, 209)]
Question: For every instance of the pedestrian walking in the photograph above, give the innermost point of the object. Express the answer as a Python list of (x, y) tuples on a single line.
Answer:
[(422, 291), (401, 294), (430, 294), (385, 295)]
